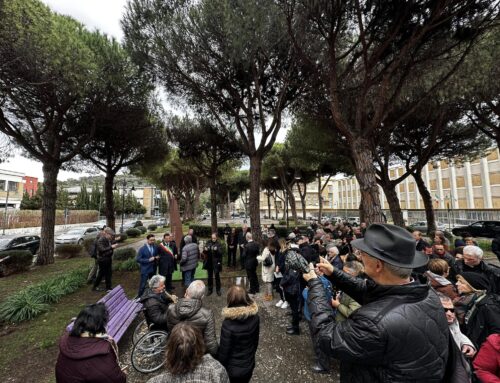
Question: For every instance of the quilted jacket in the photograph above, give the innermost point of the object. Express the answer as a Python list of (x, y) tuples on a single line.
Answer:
[(192, 312), (400, 333)]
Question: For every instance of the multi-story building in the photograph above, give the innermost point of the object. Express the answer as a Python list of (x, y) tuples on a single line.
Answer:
[(30, 185), (453, 185), (11, 189)]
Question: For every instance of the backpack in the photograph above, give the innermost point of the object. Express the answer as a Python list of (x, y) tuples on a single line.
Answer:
[(93, 249)]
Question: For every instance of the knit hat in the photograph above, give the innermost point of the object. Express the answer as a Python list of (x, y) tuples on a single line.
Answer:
[(476, 280)]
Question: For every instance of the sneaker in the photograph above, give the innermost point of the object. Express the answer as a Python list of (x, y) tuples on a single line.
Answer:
[(280, 302), (284, 305)]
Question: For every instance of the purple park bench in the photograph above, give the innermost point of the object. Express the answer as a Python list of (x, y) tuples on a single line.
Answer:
[(122, 311)]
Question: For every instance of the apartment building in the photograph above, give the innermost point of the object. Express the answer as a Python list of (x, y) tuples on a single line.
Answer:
[(11, 189)]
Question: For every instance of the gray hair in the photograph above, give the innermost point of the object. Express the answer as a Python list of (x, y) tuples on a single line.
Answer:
[(334, 248), (401, 272), (355, 266), (155, 281), (196, 290), (188, 239), (443, 298), (476, 251), (248, 236)]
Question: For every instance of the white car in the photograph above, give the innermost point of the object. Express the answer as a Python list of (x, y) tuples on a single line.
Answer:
[(76, 235), (354, 221)]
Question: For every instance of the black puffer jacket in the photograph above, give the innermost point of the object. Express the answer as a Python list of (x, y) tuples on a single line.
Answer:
[(400, 333), (191, 311), (155, 310), (239, 339)]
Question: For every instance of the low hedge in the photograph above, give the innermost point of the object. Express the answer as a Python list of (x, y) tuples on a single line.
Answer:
[(18, 261), (152, 227), (128, 265), (124, 253), (122, 237), (205, 231), (142, 229), (67, 250), (30, 302), (133, 232)]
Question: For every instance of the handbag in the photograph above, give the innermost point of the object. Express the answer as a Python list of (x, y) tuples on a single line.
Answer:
[(268, 261)]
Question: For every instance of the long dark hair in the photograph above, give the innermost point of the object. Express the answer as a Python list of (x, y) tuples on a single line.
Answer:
[(92, 319), (185, 349)]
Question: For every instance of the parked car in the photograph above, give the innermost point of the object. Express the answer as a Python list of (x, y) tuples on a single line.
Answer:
[(129, 225), (422, 226), (20, 242), (101, 224), (353, 221), (479, 229), (161, 221), (76, 235)]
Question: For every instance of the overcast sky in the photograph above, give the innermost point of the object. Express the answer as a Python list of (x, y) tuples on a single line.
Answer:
[(104, 15)]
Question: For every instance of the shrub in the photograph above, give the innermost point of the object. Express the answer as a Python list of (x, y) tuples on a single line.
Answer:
[(142, 229), (138, 223), (18, 261), (128, 265), (67, 251), (152, 227), (34, 300), (122, 237), (484, 244), (124, 253), (133, 232)]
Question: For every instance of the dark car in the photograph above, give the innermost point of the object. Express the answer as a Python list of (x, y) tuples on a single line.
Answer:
[(479, 229), (20, 242)]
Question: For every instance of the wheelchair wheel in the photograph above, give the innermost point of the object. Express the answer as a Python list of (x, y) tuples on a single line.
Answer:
[(140, 330), (148, 354)]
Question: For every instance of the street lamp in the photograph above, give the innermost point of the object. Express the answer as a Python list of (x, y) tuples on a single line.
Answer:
[(124, 185)]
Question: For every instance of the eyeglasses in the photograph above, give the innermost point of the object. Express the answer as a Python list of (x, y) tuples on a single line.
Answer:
[(450, 310)]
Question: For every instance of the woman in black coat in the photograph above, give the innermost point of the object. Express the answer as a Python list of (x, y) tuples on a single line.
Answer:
[(239, 335)]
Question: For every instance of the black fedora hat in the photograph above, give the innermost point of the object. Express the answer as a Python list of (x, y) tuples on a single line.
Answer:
[(391, 244)]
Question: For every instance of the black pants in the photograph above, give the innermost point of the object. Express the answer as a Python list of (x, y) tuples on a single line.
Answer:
[(242, 257), (294, 302), (252, 278), (168, 282), (278, 288), (211, 271), (321, 358), (231, 257), (104, 271)]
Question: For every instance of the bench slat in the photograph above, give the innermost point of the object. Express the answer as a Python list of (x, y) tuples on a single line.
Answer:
[(114, 329), (127, 323), (122, 312)]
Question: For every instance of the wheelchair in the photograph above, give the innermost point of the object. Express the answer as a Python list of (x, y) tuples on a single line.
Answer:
[(148, 352)]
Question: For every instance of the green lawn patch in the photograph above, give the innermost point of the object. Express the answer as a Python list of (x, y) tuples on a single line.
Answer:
[(199, 274)]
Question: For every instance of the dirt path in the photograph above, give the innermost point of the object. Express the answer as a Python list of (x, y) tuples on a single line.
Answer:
[(280, 357)]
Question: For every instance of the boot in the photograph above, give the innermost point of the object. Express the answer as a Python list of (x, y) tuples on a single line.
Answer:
[(293, 331), (209, 293)]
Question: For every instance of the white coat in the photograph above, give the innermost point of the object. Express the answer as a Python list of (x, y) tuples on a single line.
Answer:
[(267, 271)]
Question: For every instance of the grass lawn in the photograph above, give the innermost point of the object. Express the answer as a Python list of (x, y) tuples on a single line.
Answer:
[(199, 274)]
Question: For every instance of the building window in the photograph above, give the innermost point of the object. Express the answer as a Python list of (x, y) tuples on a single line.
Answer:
[(2, 185), (13, 186)]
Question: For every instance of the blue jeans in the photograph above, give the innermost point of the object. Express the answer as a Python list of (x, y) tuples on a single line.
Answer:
[(188, 277), (144, 280)]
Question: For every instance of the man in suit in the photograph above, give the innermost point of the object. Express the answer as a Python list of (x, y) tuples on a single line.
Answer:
[(167, 251), (146, 258), (252, 250)]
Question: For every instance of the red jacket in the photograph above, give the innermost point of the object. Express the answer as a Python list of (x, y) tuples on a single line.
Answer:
[(87, 360), (487, 362)]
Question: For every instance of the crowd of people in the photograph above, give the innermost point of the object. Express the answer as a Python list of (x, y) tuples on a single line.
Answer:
[(364, 293)]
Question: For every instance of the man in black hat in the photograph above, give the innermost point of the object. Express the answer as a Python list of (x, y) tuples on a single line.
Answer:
[(400, 333)]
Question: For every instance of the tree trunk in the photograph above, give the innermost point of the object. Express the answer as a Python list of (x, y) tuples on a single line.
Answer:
[(175, 220), (255, 170), (228, 215), (303, 199), (362, 158), (293, 205), (427, 199), (46, 251), (213, 207), (320, 199), (276, 209), (110, 203), (393, 201), (268, 205)]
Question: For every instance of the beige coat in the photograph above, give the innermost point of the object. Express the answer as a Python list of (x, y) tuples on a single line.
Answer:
[(267, 272)]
